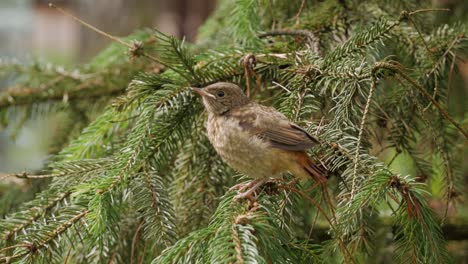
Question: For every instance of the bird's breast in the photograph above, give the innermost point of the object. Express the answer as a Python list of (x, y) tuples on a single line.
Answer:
[(241, 150)]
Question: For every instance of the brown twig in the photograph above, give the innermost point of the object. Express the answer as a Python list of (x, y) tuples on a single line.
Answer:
[(332, 226), (248, 63), (136, 48), (136, 236), (65, 261), (238, 245), (30, 95), (301, 8), (396, 69), (445, 54), (428, 10), (25, 175), (436, 104), (25, 245), (419, 33)]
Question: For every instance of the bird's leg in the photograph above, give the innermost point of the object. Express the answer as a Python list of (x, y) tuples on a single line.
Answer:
[(242, 186), (252, 187)]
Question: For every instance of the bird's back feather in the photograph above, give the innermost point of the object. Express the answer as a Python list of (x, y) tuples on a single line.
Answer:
[(272, 126)]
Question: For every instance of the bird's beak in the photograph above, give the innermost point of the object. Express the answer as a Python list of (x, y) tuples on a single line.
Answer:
[(202, 92)]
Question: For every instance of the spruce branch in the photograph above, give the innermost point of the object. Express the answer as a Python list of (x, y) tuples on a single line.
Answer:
[(34, 247), (48, 201), (25, 175), (443, 112), (343, 247), (31, 216), (135, 49), (301, 8), (449, 49), (153, 201), (86, 90), (361, 132), (245, 23), (198, 174), (448, 168), (68, 168)]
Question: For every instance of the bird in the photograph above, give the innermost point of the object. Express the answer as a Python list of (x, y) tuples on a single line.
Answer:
[(256, 140)]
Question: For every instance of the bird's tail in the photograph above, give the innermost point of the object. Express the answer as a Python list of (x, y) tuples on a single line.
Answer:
[(314, 170)]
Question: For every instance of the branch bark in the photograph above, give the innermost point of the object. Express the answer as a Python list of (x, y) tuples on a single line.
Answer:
[(26, 95)]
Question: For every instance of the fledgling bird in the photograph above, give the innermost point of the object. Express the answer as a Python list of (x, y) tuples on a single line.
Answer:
[(254, 139)]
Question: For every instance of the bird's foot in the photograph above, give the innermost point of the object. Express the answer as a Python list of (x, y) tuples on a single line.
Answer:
[(244, 185), (241, 186), (251, 187)]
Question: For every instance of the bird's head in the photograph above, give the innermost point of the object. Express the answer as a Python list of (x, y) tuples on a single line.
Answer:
[(219, 98)]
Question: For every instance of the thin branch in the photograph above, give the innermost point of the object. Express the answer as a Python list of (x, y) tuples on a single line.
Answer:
[(25, 245), (135, 239), (397, 69), (444, 156), (331, 225), (238, 246), (428, 10), (248, 63), (136, 48), (361, 132), (393, 158), (53, 234), (36, 215), (429, 97), (25, 96), (449, 48), (419, 34), (25, 175), (301, 8), (65, 261)]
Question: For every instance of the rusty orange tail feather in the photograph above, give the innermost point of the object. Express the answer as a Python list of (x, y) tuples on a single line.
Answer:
[(316, 171)]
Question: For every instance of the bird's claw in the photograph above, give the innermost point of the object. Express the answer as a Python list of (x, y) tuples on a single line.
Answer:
[(245, 195), (240, 186), (251, 187), (243, 186)]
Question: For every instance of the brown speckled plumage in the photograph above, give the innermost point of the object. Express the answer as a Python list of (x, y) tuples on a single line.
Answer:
[(256, 140)]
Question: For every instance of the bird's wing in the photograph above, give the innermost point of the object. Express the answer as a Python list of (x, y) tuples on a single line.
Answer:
[(274, 127)]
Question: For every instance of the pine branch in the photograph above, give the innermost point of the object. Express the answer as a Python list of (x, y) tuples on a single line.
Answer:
[(237, 232), (29, 217), (50, 200), (199, 173), (361, 131), (421, 89), (156, 209), (136, 48), (86, 90), (36, 246), (245, 23)]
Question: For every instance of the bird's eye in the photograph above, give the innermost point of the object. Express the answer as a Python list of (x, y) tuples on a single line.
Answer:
[(220, 93)]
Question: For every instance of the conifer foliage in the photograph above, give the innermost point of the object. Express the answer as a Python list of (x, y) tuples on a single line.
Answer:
[(133, 178)]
